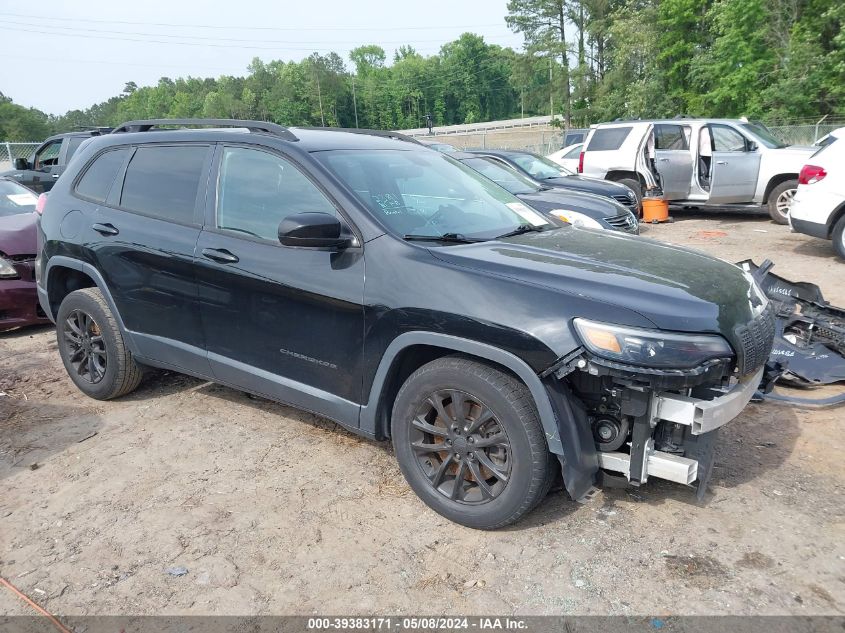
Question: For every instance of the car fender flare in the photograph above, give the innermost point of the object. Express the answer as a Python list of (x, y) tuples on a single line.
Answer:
[(568, 437), (97, 278)]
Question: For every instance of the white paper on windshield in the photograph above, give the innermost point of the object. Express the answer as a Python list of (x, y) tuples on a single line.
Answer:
[(22, 199), (529, 215)]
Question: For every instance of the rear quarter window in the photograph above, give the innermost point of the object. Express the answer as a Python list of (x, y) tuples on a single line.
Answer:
[(97, 180), (163, 182), (610, 138)]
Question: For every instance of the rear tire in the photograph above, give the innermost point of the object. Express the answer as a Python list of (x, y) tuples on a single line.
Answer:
[(838, 237), (779, 200), (92, 347), (483, 462)]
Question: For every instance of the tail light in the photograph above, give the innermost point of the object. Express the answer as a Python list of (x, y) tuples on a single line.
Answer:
[(39, 206), (811, 174), (581, 163)]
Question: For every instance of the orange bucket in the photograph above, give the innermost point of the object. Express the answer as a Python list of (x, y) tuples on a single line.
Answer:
[(655, 210)]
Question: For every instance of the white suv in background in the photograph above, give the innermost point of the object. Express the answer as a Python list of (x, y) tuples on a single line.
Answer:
[(818, 208), (698, 162)]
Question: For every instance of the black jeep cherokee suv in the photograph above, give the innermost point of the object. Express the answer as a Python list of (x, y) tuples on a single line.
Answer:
[(396, 291)]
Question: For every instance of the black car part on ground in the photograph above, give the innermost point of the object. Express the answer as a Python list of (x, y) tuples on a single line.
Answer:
[(809, 347)]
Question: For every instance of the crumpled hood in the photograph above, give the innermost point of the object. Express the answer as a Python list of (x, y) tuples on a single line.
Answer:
[(673, 287), (18, 234)]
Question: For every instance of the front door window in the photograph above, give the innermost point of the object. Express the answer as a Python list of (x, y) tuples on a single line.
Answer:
[(257, 190), (47, 156)]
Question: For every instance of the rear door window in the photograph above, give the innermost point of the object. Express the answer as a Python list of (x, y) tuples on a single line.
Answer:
[(73, 144), (97, 180), (163, 181), (671, 137), (608, 138)]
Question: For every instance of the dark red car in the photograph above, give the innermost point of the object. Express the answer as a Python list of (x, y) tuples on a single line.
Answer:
[(18, 296)]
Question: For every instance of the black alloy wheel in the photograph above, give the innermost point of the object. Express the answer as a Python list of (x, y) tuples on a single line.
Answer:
[(470, 442), (92, 348), (86, 346), (461, 447)]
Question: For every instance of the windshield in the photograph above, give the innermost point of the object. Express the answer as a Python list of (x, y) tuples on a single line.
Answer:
[(539, 167), (763, 135), (15, 199), (428, 194), (506, 177)]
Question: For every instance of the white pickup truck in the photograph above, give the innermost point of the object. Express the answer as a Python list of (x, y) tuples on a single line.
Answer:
[(698, 162)]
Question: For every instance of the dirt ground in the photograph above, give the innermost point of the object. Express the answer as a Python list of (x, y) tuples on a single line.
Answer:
[(274, 511)]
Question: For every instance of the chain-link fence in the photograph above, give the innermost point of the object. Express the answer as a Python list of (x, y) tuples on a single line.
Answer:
[(10, 151), (802, 134), (545, 140), (539, 140)]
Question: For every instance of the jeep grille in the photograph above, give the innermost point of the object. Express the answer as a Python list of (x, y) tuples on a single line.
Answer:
[(755, 340)]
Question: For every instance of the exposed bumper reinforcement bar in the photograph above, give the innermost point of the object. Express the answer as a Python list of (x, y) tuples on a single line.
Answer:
[(705, 415), (702, 415), (659, 464)]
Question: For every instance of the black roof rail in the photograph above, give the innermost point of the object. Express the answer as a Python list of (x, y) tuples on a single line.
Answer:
[(253, 126), (354, 130), (94, 129)]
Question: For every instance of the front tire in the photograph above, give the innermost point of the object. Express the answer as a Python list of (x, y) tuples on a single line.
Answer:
[(780, 199), (637, 188), (838, 237), (470, 443), (92, 347)]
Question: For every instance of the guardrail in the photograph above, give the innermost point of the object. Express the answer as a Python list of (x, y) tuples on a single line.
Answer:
[(473, 128)]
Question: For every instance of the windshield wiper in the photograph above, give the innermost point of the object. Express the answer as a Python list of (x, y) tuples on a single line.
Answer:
[(454, 238), (522, 228)]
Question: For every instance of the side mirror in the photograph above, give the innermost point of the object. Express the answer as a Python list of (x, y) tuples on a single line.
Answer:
[(21, 164), (313, 230), (752, 146)]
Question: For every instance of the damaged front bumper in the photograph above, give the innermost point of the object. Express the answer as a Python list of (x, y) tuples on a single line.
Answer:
[(704, 414), (701, 415)]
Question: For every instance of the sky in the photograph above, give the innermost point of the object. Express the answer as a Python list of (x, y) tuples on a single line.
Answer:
[(60, 55)]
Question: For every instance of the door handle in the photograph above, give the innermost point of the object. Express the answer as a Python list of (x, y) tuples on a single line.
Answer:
[(220, 255), (105, 229), (664, 160), (721, 162), (55, 175)]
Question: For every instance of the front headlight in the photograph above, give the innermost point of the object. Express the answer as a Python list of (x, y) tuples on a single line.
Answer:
[(650, 348), (7, 271), (576, 219)]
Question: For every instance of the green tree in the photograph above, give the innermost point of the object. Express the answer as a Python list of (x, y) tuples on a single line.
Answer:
[(18, 123), (543, 25), (730, 77)]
